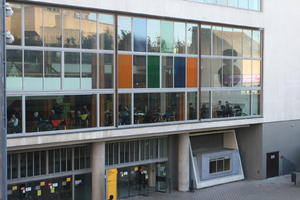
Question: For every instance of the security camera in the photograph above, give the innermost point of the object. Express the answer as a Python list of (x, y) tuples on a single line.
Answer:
[(9, 38), (8, 10)]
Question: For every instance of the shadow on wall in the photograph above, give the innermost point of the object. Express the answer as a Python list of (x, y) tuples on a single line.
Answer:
[(287, 166)]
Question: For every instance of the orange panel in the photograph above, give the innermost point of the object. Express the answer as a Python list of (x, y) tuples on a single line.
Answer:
[(192, 72), (124, 71)]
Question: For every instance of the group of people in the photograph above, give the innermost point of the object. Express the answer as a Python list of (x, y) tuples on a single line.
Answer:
[(227, 109)]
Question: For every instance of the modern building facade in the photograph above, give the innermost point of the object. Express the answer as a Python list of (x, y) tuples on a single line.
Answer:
[(109, 99)]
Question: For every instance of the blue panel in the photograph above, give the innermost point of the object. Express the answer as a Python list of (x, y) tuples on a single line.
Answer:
[(179, 72), (140, 34)]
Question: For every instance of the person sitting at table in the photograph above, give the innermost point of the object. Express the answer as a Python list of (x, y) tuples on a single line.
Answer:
[(13, 124)]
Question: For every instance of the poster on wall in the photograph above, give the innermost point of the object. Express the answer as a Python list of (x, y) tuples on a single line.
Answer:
[(111, 184)]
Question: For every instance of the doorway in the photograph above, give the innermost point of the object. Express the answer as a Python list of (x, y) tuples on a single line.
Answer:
[(272, 164)]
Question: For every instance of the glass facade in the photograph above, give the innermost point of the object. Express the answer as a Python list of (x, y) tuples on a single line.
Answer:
[(244, 4), (64, 73)]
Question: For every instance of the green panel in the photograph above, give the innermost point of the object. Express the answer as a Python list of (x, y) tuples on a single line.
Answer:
[(167, 37), (153, 72)]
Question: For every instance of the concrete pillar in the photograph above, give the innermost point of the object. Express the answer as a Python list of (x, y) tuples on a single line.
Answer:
[(183, 162), (98, 171)]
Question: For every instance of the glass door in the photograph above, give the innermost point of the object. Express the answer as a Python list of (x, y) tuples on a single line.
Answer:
[(161, 177)]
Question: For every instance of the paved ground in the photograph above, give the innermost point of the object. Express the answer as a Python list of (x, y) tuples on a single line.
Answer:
[(279, 188)]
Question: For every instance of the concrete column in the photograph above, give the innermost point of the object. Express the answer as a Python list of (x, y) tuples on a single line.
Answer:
[(98, 171), (183, 162)]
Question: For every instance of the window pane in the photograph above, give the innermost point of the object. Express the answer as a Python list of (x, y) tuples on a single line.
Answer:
[(247, 38), (52, 27), (9, 166), (205, 72), (52, 80), (33, 26), (179, 72), (139, 71), (14, 166), (37, 163), (220, 165), (175, 106), (206, 40), (106, 31), (256, 44), (60, 112), (89, 71), (212, 167), (82, 157), (33, 70), (192, 38), (72, 71), (69, 159), (106, 110), (222, 2), (83, 187), (43, 162), (167, 71), (147, 108), (76, 158), (23, 164), (192, 72), (244, 4), (231, 104), (179, 37), (233, 3), (153, 35), (167, 36), (227, 73), (124, 71), (237, 37), (51, 161), (153, 71), (124, 33), (254, 4), (71, 29), (217, 40), (124, 109), (140, 34), (256, 69), (63, 163), (57, 160), (29, 164), (227, 42), (106, 70), (192, 105), (216, 72), (14, 69), (226, 164), (88, 30), (205, 105), (13, 24), (256, 102)]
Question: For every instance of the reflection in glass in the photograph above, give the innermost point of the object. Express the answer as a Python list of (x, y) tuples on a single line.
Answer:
[(52, 65), (191, 105), (167, 36), (167, 71), (175, 109), (33, 26), (227, 42), (106, 70), (247, 38), (153, 35), (139, 71), (71, 29), (106, 110), (205, 112), (179, 37), (254, 4), (244, 4), (153, 71), (242, 75), (231, 104), (13, 24), (233, 3), (52, 27), (14, 115), (83, 187), (72, 71), (255, 102), (216, 72), (88, 30), (124, 109), (60, 112), (217, 40), (179, 72), (256, 70), (124, 33), (14, 69), (192, 38), (256, 44), (140, 34), (33, 70), (227, 72), (237, 37), (205, 72), (106, 31), (89, 71), (205, 40)]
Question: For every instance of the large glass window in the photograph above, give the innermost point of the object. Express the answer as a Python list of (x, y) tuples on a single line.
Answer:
[(88, 30), (153, 35), (206, 40), (124, 109), (33, 25), (106, 31), (167, 36), (72, 71), (124, 33), (139, 71), (52, 27), (140, 34), (33, 70), (106, 71), (13, 24), (192, 38), (179, 72), (14, 70), (167, 71), (52, 70), (14, 115), (179, 37), (60, 112), (71, 23), (89, 71), (217, 40), (205, 112), (153, 71), (191, 105), (106, 110)]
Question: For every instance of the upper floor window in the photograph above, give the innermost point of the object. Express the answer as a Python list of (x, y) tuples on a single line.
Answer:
[(244, 4)]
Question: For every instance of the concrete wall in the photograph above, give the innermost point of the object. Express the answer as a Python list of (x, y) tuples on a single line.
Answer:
[(207, 142), (250, 146), (285, 138)]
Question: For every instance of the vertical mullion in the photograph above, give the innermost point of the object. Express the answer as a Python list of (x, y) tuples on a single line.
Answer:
[(98, 109), (132, 108), (23, 114), (62, 69), (210, 99)]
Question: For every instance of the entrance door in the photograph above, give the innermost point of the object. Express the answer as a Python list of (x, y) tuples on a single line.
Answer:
[(272, 164), (161, 177)]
